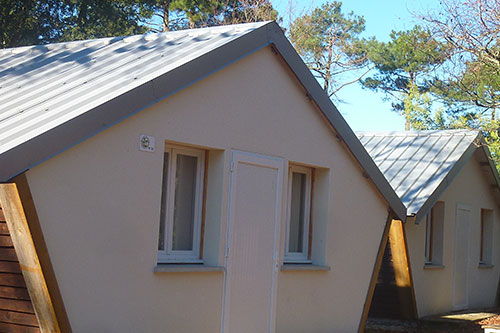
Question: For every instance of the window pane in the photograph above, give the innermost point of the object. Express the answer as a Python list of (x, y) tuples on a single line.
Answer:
[(486, 236), (161, 237), (184, 205), (428, 239), (297, 206)]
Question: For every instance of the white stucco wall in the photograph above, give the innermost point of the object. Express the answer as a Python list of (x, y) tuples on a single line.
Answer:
[(99, 205), (434, 287)]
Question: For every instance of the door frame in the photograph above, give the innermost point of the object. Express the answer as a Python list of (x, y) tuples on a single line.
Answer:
[(261, 161), (461, 206)]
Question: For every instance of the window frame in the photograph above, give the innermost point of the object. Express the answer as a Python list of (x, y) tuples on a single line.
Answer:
[(429, 237), (486, 242), (304, 256), (434, 235), (168, 255)]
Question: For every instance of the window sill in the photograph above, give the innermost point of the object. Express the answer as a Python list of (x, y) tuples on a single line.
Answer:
[(186, 268), (288, 267), (484, 265), (434, 266)]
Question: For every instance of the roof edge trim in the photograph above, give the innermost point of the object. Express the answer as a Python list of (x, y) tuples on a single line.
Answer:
[(335, 119), (462, 161)]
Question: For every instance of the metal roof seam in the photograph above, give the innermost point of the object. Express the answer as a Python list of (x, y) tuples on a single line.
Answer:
[(408, 145), (445, 160), (425, 168), (382, 149), (407, 161), (416, 163)]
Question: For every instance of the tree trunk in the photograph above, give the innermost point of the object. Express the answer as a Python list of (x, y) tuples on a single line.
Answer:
[(166, 15), (328, 73)]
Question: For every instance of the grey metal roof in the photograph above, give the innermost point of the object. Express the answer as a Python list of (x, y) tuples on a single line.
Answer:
[(41, 87), (55, 96), (418, 164)]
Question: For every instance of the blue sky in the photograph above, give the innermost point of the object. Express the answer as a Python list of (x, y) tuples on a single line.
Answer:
[(365, 110)]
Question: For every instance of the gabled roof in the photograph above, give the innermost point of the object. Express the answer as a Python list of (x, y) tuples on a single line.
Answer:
[(54, 96), (420, 165)]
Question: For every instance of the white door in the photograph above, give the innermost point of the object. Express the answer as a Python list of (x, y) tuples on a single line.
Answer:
[(462, 222), (252, 251)]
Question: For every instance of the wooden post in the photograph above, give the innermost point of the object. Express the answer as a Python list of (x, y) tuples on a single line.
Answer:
[(27, 238), (402, 270), (376, 270)]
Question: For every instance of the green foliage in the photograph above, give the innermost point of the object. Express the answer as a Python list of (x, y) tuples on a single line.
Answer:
[(89, 19), (477, 86), (416, 106), (39, 22), (203, 13), (329, 42), (241, 11), (28, 22), (469, 82), (404, 66)]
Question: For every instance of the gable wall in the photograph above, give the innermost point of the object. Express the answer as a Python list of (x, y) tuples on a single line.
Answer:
[(434, 287), (99, 204)]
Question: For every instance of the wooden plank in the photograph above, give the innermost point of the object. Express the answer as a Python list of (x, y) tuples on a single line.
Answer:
[(8, 254), (20, 318), (402, 273), (12, 280), (43, 254), (5, 241), (14, 293), (14, 328), (4, 230), (16, 305), (17, 222), (10, 267), (385, 302), (2, 216), (376, 270)]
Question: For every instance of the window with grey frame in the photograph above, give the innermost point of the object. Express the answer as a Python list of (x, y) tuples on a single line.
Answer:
[(298, 214), (486, 249), (181, 205), (434, 224)]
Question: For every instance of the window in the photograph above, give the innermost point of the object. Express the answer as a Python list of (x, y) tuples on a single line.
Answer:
[(486, 236), (298, 217), (434, 235), (181, 205)]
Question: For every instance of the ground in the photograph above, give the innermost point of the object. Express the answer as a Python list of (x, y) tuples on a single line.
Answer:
[(454, 322)]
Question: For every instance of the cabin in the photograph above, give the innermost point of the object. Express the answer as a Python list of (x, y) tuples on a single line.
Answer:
[(446, 257), (190, 181)]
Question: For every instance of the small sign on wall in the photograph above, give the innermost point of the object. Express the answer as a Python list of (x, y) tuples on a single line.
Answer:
[(147, 143)]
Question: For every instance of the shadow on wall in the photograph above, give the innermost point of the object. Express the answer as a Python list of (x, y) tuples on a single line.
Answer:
[(389, 299)]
